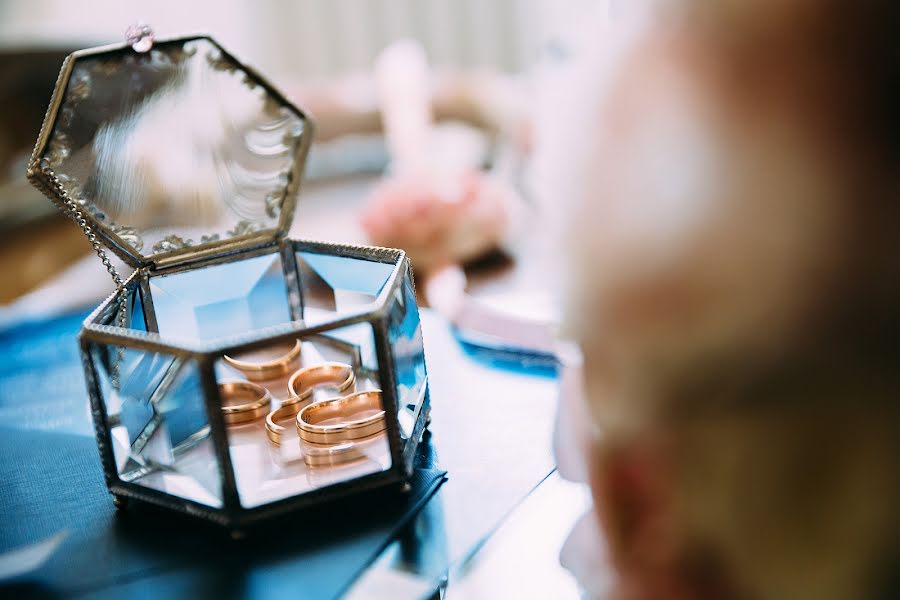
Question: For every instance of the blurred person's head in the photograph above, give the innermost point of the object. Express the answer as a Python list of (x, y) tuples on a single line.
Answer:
[(733, 174)]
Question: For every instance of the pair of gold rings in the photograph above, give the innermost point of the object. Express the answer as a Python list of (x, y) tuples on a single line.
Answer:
[(301, 386), (334, 431)]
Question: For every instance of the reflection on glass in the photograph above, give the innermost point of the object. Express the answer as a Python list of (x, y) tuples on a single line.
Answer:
[(405, 337), (269, 459), (158, 423), (330, 283), (221, 300), (174, 147)]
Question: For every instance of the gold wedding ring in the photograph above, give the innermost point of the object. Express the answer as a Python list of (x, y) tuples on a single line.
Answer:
[(338, 420), (303, 383), (326, 455), (267, 370), (248, 401), (274, 431)]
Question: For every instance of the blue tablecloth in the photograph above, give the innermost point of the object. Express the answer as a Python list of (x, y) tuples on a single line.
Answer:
[(52, 480)]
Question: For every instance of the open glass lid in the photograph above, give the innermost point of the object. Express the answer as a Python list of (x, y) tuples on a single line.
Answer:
[(171, 153)]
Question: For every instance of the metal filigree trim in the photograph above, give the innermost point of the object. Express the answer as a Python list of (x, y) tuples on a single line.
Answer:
[(245, 227), (171, 242)]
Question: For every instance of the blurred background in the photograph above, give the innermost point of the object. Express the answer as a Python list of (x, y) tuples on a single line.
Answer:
[(304, 47)]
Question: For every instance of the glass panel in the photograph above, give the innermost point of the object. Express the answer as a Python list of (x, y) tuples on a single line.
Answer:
[(158, 422), (173, 148), (266, 388), (408, 352), (221, 300), (137, 318), (134, 317), (331, 284)]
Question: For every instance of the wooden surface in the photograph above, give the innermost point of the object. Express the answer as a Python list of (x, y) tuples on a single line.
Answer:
[(32, 254)]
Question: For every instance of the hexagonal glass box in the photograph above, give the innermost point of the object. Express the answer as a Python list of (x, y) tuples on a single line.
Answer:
[(236, 374)]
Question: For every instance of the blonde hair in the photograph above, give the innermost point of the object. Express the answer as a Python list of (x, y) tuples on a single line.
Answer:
[(762, 337)]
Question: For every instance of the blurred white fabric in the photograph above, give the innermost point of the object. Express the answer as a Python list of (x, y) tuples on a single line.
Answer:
[(307, 39)]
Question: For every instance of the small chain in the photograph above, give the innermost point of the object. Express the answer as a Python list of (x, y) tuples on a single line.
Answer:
[(73, 211)]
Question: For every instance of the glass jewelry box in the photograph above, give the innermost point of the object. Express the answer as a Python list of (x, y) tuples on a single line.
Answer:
[(236, 374)]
